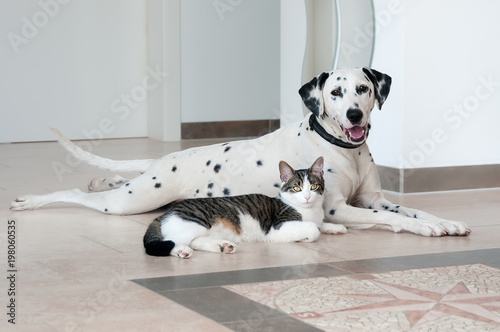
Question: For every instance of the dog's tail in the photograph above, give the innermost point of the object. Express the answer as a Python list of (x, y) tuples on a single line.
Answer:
[(113, 165), (153, 240)]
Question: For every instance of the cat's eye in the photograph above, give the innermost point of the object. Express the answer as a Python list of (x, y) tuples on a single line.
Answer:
[(314, 187), (297, 189)]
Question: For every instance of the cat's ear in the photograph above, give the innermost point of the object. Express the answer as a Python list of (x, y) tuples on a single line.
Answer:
[(317, 166), (286, 171)]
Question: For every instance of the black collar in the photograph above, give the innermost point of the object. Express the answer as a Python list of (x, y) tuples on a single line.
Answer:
[(329, 138)]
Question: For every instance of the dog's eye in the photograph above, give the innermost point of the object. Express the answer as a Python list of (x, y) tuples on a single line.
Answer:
[(362, 89), (336, 92)]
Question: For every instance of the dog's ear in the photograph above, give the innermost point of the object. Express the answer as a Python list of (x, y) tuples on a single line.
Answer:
[(311, 93), (381, 83)]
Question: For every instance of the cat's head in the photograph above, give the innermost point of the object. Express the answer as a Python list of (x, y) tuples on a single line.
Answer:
[(303, 187)]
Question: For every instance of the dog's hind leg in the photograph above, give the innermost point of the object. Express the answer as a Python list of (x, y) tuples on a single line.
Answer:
[(105, 184), (139, 195)]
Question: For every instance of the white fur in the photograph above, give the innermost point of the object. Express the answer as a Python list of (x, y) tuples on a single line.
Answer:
[(352, 185)]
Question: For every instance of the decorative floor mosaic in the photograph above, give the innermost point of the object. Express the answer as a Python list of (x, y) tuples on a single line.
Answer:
[(453, 298)]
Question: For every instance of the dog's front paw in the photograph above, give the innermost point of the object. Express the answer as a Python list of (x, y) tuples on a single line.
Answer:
[(428, 229), (335, 229), (455, 228)]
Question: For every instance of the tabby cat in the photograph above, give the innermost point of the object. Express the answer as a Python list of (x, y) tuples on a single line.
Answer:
[(212, 224)]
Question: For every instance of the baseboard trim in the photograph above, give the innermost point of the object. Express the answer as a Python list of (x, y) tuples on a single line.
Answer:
[(228, 129), (439, 178)]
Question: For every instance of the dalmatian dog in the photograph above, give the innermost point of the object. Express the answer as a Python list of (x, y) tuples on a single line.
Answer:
[(340, 102)]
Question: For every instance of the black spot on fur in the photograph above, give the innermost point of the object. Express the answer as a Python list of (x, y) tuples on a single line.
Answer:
[(338, 78), (105, 210), (226, 192), (360, 153), (127, 184), (197, 191), (158, 185), (398, 206), (332, 212), (259, 162), (174, 169), (154, 177), (277, 185), (227, 149), (330, 170), (415, 216), (210, 185), (370, 207), (298, 134), (208, 162), (300, 125), (130, 192), (209, 194), (217, 168), (385, 207), (375, 211), (111, 185)]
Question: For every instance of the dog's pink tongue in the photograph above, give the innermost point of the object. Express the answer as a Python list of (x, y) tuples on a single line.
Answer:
[(356, 132)]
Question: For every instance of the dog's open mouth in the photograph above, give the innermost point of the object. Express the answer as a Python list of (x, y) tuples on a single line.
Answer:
[(355, 134)]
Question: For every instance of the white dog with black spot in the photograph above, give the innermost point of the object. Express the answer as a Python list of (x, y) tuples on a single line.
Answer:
[(340, 101)]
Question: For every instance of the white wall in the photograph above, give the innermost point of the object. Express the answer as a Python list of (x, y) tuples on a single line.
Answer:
[(72, 64), (292, 50), (442, 111), (230, 60)]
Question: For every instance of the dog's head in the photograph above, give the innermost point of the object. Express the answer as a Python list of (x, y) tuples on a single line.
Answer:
[(344, 98)]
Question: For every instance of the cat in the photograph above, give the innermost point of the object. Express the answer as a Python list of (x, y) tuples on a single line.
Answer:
[(215, 224)]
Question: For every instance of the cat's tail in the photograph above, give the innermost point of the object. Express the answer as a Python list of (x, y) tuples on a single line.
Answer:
[(113, 165), (153, 240)]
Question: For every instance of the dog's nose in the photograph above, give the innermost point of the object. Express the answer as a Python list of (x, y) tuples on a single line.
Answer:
[(354, 115)]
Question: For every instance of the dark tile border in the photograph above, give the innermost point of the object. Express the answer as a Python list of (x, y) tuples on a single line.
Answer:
[(239, 277), (228, 129), (203, 293)]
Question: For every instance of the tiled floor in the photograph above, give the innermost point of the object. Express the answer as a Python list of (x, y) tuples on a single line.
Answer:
[(81, 270)]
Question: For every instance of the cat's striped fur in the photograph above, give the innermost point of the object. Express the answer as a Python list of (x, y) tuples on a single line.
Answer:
[(215, 224)]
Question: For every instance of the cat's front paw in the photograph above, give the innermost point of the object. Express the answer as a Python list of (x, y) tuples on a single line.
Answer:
[(310, 232), (182, 251), (227, 247)]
